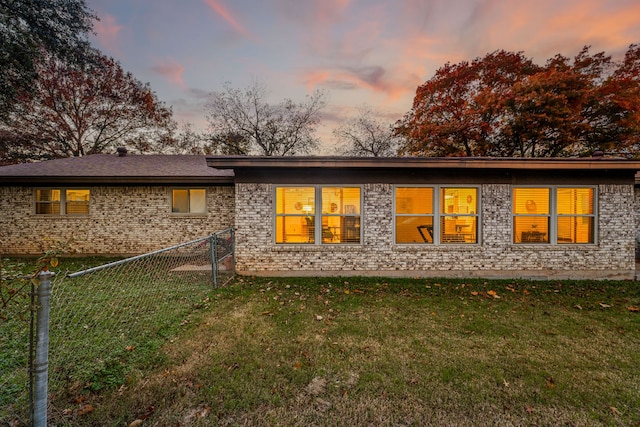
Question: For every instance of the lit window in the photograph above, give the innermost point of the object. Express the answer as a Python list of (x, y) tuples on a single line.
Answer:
[(455, 221), (189, 201), (532, 215), (459, 213), (414, 215), (553, 215), (340, 215), (337, 220), (575, 215), (295, 213), (77, 202), (56, 201)]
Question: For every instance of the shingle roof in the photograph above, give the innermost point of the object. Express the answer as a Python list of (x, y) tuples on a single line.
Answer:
[(112, 168)]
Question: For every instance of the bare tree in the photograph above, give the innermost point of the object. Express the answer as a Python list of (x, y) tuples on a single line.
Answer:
[(365, 136), (243, 122)]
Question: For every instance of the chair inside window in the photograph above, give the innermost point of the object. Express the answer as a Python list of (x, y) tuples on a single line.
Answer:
[(311, 230)]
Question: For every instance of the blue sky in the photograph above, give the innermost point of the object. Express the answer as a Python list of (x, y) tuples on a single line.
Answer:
[(373, 52)]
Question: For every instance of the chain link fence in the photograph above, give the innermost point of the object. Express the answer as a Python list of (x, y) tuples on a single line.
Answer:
[(109, 323), (16, 345)]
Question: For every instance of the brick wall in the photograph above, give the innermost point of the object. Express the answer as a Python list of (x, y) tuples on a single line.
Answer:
[(122, 220), (496, 256)]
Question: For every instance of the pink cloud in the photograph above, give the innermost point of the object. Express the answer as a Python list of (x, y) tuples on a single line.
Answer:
[(172, 71), (107, 32), (372, 78), (224, 13)]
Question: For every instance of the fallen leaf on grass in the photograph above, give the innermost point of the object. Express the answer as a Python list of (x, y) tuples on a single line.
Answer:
[(318, 317), (578, 306), (493, 294), (633, 309), (130, 347), (551, 383), (84, 410), (603, 305), (136, 423)]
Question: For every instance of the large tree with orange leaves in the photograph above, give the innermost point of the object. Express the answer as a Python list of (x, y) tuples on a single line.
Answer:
[(505, 105)]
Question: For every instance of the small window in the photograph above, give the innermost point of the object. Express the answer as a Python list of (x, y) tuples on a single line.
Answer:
[(56, 201), (77, 202), (192, 200)]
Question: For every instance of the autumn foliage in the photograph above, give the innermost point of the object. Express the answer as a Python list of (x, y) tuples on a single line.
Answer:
[(504, 105), (75, 110)]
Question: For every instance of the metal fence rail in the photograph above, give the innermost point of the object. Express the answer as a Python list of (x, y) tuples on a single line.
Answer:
[(108, 323)]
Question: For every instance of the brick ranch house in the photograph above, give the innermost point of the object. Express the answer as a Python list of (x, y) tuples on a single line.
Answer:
[(441, 217)]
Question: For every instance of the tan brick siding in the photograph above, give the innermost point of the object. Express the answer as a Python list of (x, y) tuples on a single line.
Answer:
[(496, 256), (122, 220)]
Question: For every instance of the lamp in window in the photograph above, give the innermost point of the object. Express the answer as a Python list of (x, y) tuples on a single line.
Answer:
[(307, 209)]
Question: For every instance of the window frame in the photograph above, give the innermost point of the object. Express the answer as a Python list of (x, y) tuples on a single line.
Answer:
[(317, 215), (188, 189), (554, 216), (437, 216), (62, 202)]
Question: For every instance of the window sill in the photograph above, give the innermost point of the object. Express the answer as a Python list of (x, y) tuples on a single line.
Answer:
[(60, 216), (295, 247), (187, 215), (547, 246)]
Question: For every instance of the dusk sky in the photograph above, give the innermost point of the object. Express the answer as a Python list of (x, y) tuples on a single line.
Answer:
[(373, 52)]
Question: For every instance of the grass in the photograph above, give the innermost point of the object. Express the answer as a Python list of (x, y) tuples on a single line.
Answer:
[(105, 328), (372, 351)]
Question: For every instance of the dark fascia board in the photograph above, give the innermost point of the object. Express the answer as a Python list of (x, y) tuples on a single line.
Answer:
[(551, 163), (120, 180)]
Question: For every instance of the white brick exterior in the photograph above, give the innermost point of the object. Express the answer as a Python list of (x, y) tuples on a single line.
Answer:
[(122, 220), (612, 256)]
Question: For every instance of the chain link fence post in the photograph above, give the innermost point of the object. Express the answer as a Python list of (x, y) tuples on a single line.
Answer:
[(41, 365), (214, 258)]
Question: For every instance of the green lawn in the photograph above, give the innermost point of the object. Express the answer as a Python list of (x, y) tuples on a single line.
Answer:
[(388, 352)]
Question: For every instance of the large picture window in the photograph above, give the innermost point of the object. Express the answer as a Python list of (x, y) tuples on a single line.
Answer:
[(554, 215), (298, 219), (61, 201), (191, 200), (454, 221)]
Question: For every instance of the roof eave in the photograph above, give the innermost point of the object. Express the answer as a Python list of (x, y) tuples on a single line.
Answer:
[(240, 162), (113, 180)]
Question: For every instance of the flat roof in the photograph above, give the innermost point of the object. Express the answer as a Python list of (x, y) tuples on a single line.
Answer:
[(334, 162)]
